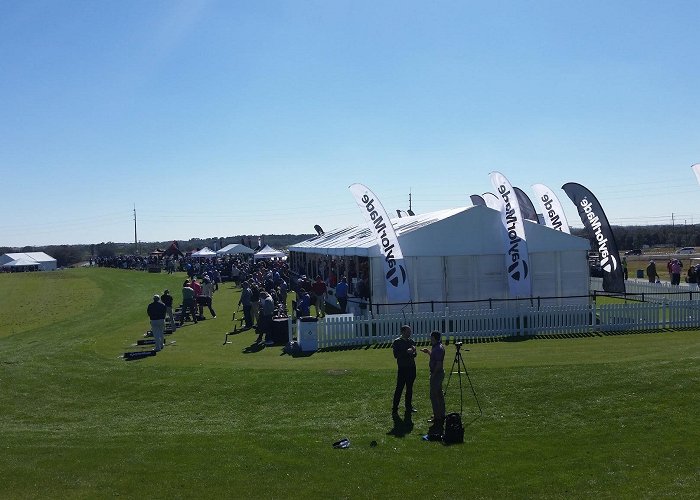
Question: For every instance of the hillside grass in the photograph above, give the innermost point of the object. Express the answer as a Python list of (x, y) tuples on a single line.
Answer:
[(605, 416)]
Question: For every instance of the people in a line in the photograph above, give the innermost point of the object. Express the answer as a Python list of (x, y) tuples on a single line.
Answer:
[(319, 290), (188, 306), (206, 297), (405, 353), (341, 293), (437, 375), (156, 312), (167, 299)]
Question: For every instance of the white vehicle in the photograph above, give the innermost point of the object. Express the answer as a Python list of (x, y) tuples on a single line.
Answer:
[(686, 250)]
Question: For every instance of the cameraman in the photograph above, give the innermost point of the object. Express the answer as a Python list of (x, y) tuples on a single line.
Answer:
[(437, 375)]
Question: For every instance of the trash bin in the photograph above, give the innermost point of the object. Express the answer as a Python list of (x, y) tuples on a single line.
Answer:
[(307, 333), (640, 273)]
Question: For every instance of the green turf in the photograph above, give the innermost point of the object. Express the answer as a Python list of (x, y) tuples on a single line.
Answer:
[(598, 416)]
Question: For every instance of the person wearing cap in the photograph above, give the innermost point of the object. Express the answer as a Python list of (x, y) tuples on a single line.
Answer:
[(167, 299), (206, 297), (267, 309), (156, 312), (651, 272)]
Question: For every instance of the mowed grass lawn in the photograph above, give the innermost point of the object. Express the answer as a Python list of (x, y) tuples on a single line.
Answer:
[(601, 416)]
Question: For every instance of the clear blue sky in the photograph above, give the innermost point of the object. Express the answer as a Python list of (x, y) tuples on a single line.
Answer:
[(229, 117)]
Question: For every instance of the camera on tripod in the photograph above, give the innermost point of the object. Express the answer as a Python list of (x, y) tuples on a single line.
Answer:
[(458, 346)]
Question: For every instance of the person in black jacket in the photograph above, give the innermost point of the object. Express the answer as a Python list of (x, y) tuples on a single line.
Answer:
[(156, 312), (405, 353)]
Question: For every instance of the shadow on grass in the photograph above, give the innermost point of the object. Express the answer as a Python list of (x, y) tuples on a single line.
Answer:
[(402, 426), (254, 347)]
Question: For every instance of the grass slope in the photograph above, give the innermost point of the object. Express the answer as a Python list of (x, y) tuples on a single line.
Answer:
[(605, 416)]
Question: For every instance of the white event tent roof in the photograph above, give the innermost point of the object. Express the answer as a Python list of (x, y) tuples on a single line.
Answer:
[(204, 252), (472, 230), (43, 261), (267, 252), (235, 248)]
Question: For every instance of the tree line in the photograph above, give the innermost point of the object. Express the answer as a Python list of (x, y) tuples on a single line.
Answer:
[(627, 238)]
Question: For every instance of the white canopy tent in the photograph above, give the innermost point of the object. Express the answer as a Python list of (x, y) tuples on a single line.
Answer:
[(235, 248), (204, 253), (43, 261), (458, 255), (267, 252)]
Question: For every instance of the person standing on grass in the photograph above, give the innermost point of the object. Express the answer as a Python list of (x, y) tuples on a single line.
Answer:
[(156, 312), (341, 293), (405, 353), (652, 275), (167, 299), (245, 301), (437, 375), (188, 303), (206, 297), (319, 290)]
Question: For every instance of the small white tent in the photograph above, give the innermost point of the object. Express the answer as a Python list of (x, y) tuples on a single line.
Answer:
[(204, 253), (43, 261), (235, 248), (267, 252), (456, 255)]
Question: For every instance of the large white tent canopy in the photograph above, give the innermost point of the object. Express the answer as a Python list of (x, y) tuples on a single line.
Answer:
[(235, 248), (43, 261), (457, 255)]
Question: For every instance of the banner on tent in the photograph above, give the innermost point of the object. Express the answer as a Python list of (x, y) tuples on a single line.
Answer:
[(516, 254), (526, 207), (593, 217), (477, 200), (395, 277), (552, 210)]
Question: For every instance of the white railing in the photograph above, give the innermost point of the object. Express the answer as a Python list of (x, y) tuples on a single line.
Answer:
[(654, 292), (350, 330)]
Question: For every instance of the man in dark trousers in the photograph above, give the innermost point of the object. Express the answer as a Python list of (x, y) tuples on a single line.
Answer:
[(437, 375), (405, 353), (156, 312)]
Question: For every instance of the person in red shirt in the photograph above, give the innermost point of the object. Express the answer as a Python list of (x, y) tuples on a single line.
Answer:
[(319, 289)]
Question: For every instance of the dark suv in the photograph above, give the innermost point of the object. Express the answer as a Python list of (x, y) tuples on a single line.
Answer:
[(636, 251)]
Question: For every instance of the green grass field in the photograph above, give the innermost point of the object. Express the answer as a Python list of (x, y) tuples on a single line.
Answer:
[(602, 416)]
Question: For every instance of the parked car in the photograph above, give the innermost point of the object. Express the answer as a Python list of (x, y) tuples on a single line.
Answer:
[(686, 250), (636, 251)]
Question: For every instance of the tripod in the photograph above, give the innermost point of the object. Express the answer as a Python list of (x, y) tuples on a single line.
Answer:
[(459, 363)]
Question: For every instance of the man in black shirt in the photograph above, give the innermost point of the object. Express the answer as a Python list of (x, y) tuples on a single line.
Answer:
[(405, 353), (156, 311)]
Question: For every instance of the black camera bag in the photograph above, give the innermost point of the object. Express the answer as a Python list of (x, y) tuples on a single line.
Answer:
[(454, 431)]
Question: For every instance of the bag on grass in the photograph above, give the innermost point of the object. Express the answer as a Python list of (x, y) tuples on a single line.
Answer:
[(454, 431)]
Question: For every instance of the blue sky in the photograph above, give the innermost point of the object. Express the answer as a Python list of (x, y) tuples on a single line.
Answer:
[(218, 118)]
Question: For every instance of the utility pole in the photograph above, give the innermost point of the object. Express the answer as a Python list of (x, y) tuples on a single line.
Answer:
[(136, 244)]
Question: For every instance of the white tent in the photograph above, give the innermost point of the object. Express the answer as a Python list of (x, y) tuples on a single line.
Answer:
[(43, 261), (235, 248), (204, 253), (267, 252), (457, 255)]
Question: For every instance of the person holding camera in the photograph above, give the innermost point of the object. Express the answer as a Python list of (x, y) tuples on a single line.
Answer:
[(437, 375), (405, 353)]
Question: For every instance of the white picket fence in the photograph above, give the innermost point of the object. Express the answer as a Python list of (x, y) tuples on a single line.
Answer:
[(350, 330), (654, 292)]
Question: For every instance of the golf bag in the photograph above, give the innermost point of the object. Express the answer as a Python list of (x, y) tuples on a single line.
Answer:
[(454, 431)]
